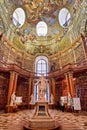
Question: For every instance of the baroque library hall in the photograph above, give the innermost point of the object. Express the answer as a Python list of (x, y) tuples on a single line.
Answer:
[(43, 64)]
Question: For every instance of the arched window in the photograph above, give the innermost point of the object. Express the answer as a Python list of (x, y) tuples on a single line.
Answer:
[(41, 28), (41, 65)]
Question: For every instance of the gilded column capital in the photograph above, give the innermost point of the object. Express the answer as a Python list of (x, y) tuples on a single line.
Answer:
[(69, 74), (13, 73)]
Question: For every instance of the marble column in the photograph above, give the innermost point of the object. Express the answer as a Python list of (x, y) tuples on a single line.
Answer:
[(11, 86), (67, 83), (15, 82), (70, 83)]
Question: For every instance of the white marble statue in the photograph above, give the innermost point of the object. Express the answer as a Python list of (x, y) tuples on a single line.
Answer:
[(42, 83), (13, 99), (32, 99)]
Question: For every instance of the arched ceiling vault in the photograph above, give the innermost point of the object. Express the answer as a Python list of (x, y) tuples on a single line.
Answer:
[(22, 30)]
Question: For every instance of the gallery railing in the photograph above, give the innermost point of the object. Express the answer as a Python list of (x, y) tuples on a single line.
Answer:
[(74, 55)]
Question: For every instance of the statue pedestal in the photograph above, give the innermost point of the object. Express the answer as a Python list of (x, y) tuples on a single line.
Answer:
[(38, 124), (41, 110), (41, 118)]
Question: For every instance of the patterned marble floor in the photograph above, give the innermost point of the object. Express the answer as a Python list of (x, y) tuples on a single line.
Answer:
[(67, 121)]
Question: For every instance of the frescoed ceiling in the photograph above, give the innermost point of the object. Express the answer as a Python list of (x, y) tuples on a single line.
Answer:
[(23, 16)]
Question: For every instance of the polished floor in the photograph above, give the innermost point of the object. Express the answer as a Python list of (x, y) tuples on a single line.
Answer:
[(67, 120)]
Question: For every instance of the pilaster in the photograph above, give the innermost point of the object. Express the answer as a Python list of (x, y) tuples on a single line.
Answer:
[(53, 88), (29, 89)]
